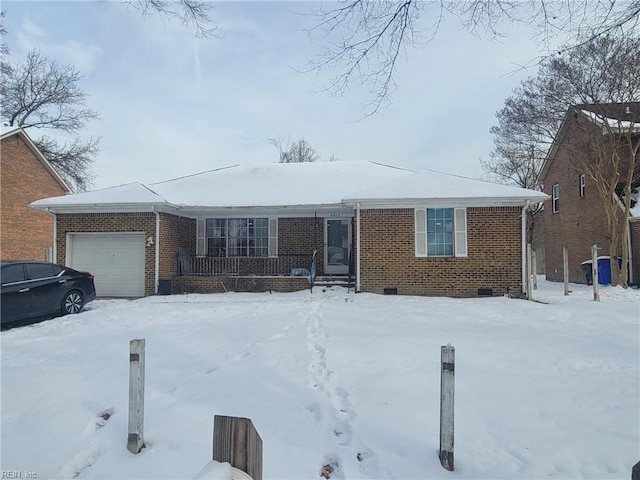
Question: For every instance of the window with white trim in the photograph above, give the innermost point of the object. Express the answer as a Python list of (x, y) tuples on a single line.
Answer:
[(441, 232), (582, 182), (237, 237), (555, 197)]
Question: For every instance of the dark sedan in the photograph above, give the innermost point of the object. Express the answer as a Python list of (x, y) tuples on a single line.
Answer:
[(32, 290)]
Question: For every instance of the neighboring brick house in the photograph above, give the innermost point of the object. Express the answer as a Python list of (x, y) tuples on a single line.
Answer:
[(256, 227), (26, 176), (574, 215)]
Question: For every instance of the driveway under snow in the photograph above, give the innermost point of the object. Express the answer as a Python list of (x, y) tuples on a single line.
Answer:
[(542, 390)]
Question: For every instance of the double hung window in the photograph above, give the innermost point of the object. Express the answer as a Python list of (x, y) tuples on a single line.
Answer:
[(555, 197), (441, 232)]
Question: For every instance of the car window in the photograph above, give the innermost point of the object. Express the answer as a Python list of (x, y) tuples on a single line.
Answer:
[(13, 273), (40, 270)]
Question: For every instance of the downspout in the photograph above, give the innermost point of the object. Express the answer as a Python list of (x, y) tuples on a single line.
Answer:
[(524, 247), (54, 247), (157, 262), (357, 247)]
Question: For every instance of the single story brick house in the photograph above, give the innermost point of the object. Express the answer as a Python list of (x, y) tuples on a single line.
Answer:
[(256, 228)]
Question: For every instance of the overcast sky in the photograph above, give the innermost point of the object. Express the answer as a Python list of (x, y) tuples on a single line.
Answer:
[(172, 104)]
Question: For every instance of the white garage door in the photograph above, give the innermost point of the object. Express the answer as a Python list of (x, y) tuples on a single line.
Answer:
[(116, 260)]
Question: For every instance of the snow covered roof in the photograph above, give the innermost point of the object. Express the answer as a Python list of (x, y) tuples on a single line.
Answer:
[(7, 130), (121, 197), (293, 185), (616, 125), (440, 187), (276, 184)]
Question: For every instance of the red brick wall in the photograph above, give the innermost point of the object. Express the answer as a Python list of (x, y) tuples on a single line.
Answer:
[(388, 257), (25, 233), (111, 222), (175, 232), (220, 284), (580, 222)]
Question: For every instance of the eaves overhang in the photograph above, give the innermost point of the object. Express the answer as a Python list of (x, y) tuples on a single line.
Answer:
[(106, 208), (446, 202)]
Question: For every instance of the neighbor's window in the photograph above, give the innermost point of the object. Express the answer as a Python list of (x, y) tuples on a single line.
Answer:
[(236, 237), (441, 232), (582, 183), (555, 197)]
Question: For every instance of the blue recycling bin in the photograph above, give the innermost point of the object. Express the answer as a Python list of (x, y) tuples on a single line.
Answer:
[(604, 270)]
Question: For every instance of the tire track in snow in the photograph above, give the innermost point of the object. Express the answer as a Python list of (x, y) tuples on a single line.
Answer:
[(342, 411)]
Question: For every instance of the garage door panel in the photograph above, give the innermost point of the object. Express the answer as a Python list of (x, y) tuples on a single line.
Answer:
[(115, 260)]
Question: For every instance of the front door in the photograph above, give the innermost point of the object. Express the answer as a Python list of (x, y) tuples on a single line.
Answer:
[(337, 244)]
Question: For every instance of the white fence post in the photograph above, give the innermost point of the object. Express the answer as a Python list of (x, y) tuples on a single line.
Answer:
[(447, 403), (135, 441), (594, 272), (565, 270)]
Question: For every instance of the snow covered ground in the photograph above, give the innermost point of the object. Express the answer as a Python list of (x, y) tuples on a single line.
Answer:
[(542, 389)]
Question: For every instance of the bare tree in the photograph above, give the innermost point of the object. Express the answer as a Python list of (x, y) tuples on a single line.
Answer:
[(192, 13), (364, 40), (297, 152), (4, 48), (39, 93)]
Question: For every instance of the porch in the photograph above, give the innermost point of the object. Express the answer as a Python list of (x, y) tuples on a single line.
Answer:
[(285, 273), (293, 265)]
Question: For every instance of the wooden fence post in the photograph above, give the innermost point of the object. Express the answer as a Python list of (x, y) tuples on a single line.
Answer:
[(236, 441), (135, 441), (594, 272), (447, 403), (565, 270), (529, 284)]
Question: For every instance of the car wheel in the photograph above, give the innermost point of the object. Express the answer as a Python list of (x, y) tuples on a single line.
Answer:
[(72, 303)]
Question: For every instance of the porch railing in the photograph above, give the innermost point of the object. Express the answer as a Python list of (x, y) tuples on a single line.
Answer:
[(282, 265)]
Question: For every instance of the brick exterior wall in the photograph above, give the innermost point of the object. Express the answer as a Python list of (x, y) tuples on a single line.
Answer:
[(25, 233), (111, 223), (175, 232), (580, 222), (220, 284), (387, 252), (388, 257)]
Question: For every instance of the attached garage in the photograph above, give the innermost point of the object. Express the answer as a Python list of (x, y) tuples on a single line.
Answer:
[(116, 260)]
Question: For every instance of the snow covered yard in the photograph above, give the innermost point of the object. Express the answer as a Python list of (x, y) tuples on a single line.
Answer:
[(542, 390)]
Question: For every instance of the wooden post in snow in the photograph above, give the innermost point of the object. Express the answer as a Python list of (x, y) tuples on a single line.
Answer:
[(529, 284), (565, 270), (447, 403), (594, 272), (534, 268), (135, 441), (236, 441)]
